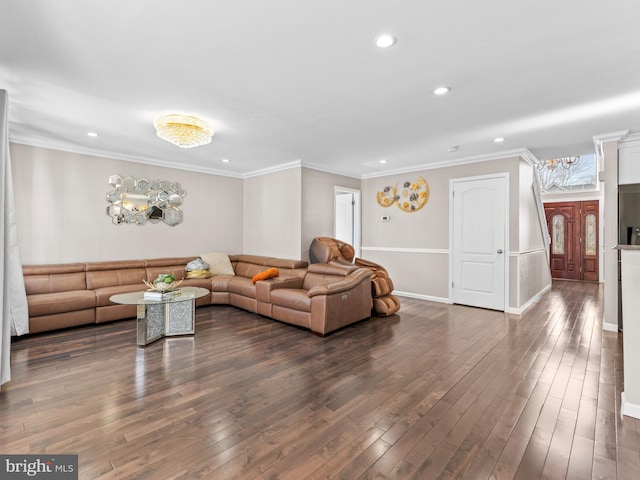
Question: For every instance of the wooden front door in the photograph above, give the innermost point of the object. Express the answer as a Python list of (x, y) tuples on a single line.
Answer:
[(573, 227)]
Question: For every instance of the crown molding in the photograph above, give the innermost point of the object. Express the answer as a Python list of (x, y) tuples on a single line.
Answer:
[(63, 147), (523, 153), (275, 168), (599, 140), (326, 170), (520, 152), (529, 157)]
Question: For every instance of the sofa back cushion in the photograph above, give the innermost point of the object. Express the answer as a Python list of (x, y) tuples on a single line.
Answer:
[(53, 278), (248, 270), (250, 265), (109, 274), (324, 273), (175, 266)]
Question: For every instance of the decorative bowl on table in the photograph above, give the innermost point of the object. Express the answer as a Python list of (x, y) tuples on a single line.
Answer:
[(164, 283)]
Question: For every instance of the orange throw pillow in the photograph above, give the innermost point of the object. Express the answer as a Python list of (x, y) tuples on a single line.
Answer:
[(270, 273)]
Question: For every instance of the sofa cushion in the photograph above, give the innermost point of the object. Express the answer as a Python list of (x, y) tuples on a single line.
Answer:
[(292, 298), (60, 302), (326, 273), (108, 274), (242, 286), (103, 294), (219, 263), (61, 282), (220, 283)]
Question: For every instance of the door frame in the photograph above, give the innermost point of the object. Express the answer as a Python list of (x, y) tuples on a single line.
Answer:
[(357, 218), (599, 243), (550, 198), (452, 182)]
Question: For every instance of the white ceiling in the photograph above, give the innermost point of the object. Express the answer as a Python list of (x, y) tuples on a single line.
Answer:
[(300, 80)]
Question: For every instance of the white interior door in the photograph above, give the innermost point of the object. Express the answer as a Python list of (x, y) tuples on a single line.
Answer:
[(347, 217), (344, 217), (479, 241)]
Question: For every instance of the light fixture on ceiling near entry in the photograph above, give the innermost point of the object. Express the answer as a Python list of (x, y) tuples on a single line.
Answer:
[(225, 160), (92, 134), (566, 162), (383, 161), (385, 41), (183, 130), (441, 90), (453, 149), (498, 140)]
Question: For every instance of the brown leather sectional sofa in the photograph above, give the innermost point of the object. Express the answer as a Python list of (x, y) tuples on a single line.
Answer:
[(320, 297)]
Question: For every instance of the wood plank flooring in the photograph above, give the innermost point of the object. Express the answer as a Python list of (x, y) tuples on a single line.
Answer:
[(434, 392)]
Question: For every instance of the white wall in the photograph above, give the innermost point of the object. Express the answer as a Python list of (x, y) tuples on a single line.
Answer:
[(532, 273), (317, 204), (610, 240), (272, 214), (61, 210), (414, 247)]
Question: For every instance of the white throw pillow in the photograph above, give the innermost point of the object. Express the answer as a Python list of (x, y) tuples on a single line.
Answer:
[(219, 263)]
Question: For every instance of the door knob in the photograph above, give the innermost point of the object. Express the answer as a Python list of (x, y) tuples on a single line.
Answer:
[(499, 250)]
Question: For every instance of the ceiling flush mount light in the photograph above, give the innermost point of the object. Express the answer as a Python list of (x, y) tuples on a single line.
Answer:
[(498, 140), (385, 41), (383, 161), (453, 149), (183, 130), (92, 134), (441, 90), (225, 160)]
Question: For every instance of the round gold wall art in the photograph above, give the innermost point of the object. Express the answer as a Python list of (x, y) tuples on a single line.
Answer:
[(411, 197), (387, 196)]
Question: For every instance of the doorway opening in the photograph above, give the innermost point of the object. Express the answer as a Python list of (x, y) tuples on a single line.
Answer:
[(347, 216)]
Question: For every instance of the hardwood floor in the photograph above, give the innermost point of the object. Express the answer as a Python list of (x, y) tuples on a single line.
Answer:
[(437, 391)]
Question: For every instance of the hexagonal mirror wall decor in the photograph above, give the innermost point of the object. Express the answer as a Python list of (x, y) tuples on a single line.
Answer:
[(138, 200)]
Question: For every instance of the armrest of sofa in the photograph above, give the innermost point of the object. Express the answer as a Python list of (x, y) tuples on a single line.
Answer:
[(347, 283), (265, 287)]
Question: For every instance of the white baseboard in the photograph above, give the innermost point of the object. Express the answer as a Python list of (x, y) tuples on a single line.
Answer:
[(629, 409), (422, 297), (610, 327), (532, 300)]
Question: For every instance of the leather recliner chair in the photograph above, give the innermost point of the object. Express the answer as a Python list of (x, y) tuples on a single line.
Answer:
[(327, 249)]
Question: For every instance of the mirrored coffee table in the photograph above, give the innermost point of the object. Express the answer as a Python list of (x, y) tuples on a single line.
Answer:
[(163, 317)]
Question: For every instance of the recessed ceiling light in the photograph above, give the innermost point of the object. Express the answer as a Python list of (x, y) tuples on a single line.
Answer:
[(453, 149), (441, 90), (385, 41), (92, 134), (225, 160), (498, 140), (383, 161)]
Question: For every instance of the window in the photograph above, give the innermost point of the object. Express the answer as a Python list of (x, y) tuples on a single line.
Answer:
[(568, 174)]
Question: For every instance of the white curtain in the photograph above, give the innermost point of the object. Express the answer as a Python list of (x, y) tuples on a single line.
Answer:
[(13, 298)]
